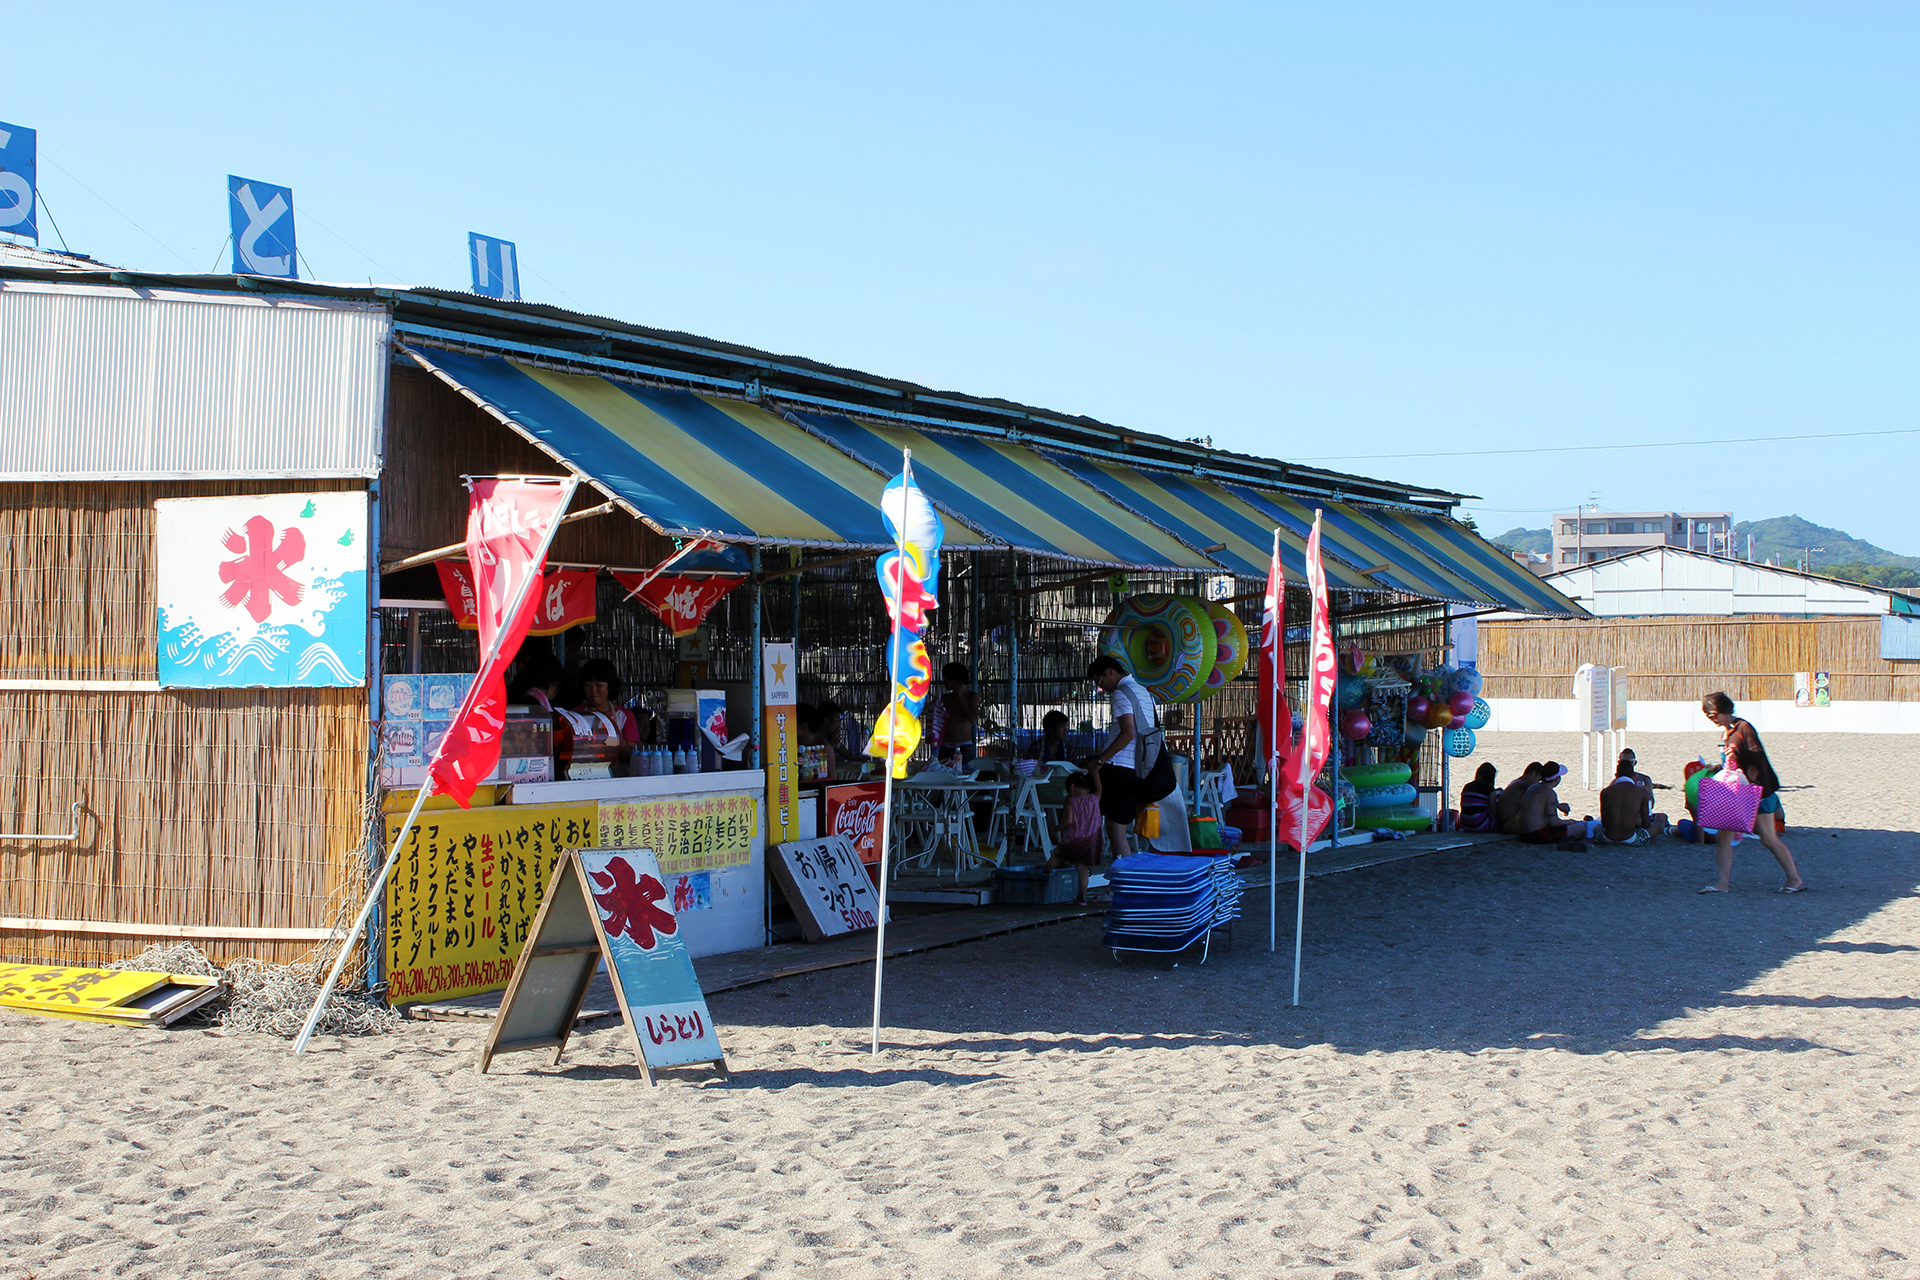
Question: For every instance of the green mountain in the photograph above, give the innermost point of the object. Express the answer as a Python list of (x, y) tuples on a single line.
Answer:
[(1785, 539), (1517, 539)]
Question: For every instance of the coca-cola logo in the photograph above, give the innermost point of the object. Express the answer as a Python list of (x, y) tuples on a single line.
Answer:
[(857, 820)]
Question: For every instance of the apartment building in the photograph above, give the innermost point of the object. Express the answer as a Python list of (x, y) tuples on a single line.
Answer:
[(1581, 537)]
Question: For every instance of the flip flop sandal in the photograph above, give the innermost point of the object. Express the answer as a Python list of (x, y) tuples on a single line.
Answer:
[(1712, 889), (1799, 888)]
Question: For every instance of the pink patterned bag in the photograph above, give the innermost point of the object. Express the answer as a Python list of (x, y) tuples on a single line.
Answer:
[(1728, 802)]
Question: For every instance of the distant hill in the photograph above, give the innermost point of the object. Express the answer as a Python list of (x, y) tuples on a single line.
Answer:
[(1539, 540), (1784, 540)]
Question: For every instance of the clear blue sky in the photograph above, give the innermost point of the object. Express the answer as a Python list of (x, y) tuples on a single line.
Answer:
[(1353, 231)]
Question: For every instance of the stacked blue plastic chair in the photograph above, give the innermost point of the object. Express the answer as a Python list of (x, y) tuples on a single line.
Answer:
[(1164, 903)]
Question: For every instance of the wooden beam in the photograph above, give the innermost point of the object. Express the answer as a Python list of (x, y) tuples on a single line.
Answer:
[(460, 548), (816, 564)]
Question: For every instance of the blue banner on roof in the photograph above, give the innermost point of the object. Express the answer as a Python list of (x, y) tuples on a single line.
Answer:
[(496, 267), (18, 166), (262, 219)]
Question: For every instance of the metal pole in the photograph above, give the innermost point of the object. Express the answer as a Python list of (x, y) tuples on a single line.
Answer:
[(886, 802), (1446, 757), (1013, 660), (1300, 892), (1276, 676), (759, 655), (426, 786)]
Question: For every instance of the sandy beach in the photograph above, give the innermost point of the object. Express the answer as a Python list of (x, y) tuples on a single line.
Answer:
[(1510, 1062)]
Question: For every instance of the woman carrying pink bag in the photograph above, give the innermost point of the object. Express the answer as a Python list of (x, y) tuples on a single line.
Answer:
[(1741, 751)]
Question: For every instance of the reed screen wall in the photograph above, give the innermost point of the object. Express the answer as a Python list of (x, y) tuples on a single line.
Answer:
[(224, 809), (1682, 659)]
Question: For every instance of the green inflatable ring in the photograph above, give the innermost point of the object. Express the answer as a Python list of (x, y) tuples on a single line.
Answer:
[(1166, 641), (1377, 775), (1693, 786), (1405, 818), (1230, 647)]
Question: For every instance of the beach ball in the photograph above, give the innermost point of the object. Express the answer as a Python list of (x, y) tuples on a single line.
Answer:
[(1418, 707), (1461, 703), (1467, 680), (1459, 743), (1439, 716), (1355, 724), (1481, 713), (1351, 693)]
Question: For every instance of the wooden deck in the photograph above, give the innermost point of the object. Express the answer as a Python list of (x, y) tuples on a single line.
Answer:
[(908, 934)]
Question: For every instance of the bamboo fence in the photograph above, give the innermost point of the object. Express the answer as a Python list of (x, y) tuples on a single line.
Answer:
[(220, 809), (1682, 659)]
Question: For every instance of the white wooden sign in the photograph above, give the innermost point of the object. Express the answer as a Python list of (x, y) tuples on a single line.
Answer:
[(827, 886)]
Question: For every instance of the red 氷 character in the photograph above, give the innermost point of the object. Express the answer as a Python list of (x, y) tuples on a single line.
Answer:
[(629, 904), (258, 572)]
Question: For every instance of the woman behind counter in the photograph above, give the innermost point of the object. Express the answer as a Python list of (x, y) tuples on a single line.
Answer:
[(608, 721)]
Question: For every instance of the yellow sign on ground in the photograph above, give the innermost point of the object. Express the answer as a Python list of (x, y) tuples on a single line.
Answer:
[(463, 897), (686, 833), (96, 995)]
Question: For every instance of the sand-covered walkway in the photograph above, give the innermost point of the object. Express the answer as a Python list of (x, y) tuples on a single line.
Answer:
[(1511, 1062)]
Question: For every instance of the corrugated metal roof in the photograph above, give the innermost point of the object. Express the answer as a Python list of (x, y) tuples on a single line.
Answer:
[(119, 383)]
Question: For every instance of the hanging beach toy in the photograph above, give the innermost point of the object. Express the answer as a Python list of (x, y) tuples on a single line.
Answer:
[(1230, 646), (1167, 642)]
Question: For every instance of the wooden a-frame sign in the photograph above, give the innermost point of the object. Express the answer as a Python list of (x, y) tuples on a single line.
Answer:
[(607, 904)]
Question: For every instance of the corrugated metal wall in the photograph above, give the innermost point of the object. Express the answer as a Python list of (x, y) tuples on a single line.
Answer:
[(103, 384)]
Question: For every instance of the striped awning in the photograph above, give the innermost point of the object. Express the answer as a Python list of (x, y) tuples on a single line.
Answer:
[(1205, 514), (688, 465), (1013, 495), (1420, 555)]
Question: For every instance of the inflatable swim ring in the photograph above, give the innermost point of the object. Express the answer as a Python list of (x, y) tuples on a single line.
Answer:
[(1230, 646), (1377, 775), (1166, 641), (1398, 795), (1409, 818)]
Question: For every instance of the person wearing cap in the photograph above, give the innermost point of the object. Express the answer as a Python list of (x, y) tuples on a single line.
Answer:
[(1540, 815), (1133, 714)]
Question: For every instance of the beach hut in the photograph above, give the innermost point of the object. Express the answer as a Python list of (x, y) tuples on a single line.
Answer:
[(179, 773)]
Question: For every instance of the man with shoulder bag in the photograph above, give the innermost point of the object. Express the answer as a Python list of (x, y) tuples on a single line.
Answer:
[(1135, 768)]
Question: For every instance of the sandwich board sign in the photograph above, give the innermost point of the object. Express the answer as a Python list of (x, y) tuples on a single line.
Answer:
[(607, 904)]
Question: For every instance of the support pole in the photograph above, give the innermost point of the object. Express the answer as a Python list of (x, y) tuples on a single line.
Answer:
[(886, 802), (1013, 660), (1333, 753), (426, 786), (759, 654)]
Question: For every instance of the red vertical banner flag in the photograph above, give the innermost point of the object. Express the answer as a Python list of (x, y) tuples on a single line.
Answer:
[(1304, 804), (510, 522), (1276, 718)]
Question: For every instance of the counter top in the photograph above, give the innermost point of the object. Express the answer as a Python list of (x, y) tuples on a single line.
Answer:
[(677, 784)]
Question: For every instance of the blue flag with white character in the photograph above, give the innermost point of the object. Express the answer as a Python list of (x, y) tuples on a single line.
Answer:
[(17, 182), (496, 267), (262, 216)]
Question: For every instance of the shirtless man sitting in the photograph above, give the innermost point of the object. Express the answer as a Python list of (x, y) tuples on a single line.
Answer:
[(1512, 798), (1540, 813), (1626, 807)]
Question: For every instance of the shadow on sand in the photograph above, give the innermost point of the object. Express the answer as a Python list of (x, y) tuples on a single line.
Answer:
[(1509, 946)]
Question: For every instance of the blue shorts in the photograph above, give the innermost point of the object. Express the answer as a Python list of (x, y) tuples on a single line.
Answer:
[(1771, 804)]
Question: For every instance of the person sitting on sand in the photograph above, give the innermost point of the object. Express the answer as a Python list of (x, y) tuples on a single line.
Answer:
[(1540, 813), (1508, 804), (1626, 806), (1476, 800), (1079, 845)]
